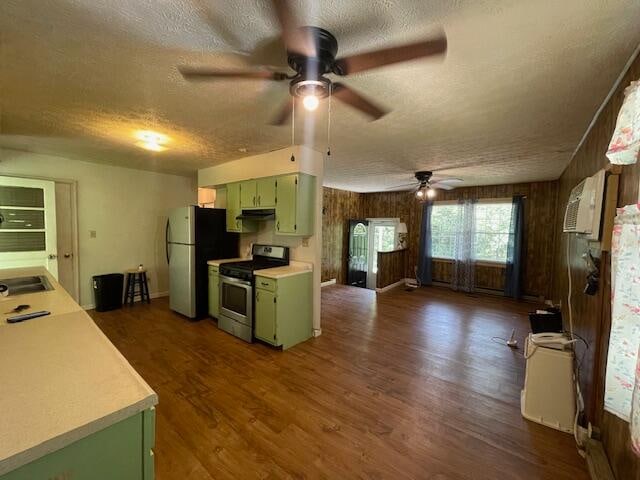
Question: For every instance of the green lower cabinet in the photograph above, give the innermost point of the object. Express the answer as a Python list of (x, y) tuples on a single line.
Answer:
[(266, 312), (284, 309), (214, 291), (121, 451)]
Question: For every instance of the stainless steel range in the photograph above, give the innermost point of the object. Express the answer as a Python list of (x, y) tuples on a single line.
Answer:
[(236, 288)]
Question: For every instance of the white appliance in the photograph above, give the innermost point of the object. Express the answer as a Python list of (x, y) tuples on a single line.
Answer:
[(548, 396), (195, 235), (584, 209)]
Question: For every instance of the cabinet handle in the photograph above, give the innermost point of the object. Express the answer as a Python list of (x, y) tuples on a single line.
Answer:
[(238, 224), (278, 225), (254, 200), (257, 296), (258, 199), (264, 284)]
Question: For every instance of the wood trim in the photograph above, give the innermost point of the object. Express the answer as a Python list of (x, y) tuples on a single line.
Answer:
[(609, 211)]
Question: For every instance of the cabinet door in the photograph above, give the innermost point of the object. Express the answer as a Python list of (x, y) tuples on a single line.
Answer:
[(214, 293), (266, 189), (287, 204), (248, 197), (265, 320), (233, 207)]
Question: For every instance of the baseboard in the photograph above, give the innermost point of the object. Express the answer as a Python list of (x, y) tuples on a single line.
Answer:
[(393, 285), (328, 282), (597, 461), (92, 306)]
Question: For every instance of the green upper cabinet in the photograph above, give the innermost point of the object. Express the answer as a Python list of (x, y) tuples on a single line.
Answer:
[(234, 209), (248, 194), (266, 192), (295, 204)]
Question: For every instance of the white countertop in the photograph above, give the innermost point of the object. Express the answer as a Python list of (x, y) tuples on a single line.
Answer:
[(61, 379), (216, 263), (294, 268)]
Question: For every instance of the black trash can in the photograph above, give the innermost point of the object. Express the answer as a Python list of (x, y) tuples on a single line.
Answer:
[(107, 291)]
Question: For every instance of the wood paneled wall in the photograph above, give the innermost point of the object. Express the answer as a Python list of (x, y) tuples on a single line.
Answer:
[(391, 267), (338, 206), (592, 315), (540, 208)]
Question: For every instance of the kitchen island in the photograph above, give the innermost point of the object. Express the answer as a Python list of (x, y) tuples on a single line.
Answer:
[(72, 406)]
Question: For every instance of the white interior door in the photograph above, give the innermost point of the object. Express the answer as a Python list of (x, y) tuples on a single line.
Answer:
[(383, 235), (28, 224)]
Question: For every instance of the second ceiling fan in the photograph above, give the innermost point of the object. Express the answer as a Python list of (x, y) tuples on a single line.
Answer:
[(311, 53)]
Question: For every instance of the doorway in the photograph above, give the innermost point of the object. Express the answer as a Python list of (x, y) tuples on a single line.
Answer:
[(366, 239), (38, 227), (383, 237)]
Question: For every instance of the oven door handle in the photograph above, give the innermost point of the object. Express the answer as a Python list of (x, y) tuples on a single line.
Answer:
[(236, 281)]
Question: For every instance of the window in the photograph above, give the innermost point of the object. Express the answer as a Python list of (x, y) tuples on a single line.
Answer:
[(490, 231), (445, 227)]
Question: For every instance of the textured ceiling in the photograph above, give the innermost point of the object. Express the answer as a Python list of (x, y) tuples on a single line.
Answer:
[(509, 103)]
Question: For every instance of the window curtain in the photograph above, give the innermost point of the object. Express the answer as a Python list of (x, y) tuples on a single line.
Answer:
[(622, 388), (463, 273), (424, 254), (513, 272)]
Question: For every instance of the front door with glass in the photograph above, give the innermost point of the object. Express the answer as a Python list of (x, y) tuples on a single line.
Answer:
[(358, 248)]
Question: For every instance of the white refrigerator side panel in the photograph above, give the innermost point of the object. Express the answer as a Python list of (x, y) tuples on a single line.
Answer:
[(182, 280)]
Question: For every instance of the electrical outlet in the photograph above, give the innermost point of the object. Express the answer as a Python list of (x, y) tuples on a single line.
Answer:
[(305, 242), (92, 234)]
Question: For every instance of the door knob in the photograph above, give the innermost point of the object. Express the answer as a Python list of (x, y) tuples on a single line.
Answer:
[(68, 255)]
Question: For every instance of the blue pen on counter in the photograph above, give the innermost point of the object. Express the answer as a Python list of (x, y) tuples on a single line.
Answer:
[(27, 316)]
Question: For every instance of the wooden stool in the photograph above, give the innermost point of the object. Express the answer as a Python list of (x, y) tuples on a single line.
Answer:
[(136, 277)]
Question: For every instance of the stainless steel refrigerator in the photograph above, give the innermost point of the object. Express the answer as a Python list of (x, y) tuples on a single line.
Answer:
[(193, 236)]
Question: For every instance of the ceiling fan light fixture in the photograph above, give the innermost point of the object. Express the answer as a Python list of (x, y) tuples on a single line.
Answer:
[(310, 102), (431, 193), (420, 193)]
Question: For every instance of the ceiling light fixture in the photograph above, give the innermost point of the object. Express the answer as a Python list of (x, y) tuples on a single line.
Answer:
[(150, 140), (420, 193), (430, 192), (310, 102)]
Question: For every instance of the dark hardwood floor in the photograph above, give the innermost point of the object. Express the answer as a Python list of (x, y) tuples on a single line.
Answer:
[(403, 385)]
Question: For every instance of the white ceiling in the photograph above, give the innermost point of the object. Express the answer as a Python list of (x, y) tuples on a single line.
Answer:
[(509, 103)]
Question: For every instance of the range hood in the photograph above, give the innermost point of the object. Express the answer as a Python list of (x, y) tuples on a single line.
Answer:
[(261, 214)]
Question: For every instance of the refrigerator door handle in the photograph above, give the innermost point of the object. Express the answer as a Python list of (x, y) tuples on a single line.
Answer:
[(166, 239)]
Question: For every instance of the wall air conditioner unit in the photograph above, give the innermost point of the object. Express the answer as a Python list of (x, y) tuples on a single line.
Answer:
[(584, 208)]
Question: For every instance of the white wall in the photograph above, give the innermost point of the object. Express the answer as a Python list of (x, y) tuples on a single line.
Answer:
[(127, 208), (269, 164)]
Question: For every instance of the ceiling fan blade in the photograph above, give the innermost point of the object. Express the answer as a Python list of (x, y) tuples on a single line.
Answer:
[(295, 39), (438, 179), (283, 114), (353, 98), (441, 186), (192, 73), (402, 186), (388, 56)]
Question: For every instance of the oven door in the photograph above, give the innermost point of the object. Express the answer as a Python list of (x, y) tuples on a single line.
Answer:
[(236, 299)]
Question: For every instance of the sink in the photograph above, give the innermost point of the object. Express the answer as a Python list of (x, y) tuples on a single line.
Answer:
[(22, 285)]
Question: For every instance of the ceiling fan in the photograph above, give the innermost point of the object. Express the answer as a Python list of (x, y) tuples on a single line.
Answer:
[(426, 184), (311, 53)]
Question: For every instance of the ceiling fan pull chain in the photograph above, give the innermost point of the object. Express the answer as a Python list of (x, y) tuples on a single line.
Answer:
[(329, 123), (293, 123)]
